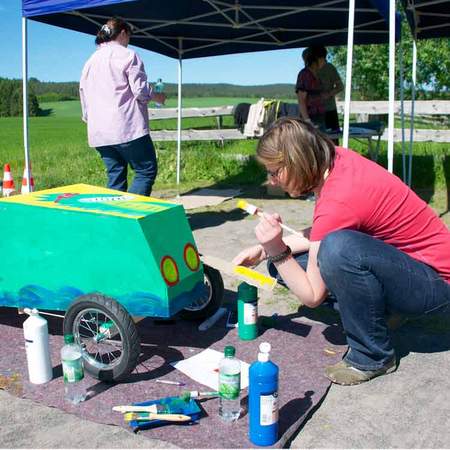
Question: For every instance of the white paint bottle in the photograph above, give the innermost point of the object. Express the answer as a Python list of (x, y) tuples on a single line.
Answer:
[(35, 331)]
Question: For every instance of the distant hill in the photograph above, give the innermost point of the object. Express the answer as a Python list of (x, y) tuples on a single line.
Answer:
[(53, 91)]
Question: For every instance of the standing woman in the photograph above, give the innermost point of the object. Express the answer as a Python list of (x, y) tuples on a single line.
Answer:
[(373, 243), (114, 93), (331, 85), (309, 90)]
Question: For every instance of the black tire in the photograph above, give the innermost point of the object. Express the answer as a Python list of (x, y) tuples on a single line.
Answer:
[(203, 308), (126, 362)]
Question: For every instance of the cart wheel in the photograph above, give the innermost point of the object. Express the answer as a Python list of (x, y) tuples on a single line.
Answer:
[(211, 301), (107, 334)]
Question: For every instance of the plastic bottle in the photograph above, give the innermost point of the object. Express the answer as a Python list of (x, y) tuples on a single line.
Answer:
[(247, 312), (263, 399), (35, 331), (73, 370), (229, 385), (159, 88)]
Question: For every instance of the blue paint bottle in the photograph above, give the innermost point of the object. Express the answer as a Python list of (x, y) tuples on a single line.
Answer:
[(263, 399)]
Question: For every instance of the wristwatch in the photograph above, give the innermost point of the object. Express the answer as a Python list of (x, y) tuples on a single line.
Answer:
[(281, 256)]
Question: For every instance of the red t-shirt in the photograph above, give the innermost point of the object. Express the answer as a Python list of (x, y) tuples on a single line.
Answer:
[(361, 195)]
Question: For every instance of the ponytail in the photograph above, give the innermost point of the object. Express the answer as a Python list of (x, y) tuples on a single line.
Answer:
[(111, 30)]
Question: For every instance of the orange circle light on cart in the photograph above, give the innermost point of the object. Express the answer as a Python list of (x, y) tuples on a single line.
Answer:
[(169, 270), (191, 257)]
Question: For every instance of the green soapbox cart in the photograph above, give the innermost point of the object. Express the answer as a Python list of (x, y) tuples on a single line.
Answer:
[(105, 258)]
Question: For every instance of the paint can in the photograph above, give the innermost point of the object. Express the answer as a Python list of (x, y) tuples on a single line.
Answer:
[(247, 312)]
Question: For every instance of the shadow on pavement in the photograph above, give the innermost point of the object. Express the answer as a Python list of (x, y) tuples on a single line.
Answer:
[(427, 334), (210, 219)]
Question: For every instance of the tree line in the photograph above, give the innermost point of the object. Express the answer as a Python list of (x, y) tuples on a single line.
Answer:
[(370, 66), (11, 104), (52, 91)]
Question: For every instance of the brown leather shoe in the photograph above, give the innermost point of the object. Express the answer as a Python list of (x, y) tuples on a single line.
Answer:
[(346, 375)]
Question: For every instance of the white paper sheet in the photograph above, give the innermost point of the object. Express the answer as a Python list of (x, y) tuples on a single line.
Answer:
[(204, 368)]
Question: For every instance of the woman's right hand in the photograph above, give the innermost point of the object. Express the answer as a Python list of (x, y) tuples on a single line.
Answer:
[(250, 256)]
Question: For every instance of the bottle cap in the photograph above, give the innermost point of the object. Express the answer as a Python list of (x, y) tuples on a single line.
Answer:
[(229, 350), (69, 339), (264, 347), (247, 292), (263, 357), (31, 312)]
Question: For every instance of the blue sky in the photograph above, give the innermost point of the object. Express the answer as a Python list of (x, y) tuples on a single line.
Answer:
[(58, 55)]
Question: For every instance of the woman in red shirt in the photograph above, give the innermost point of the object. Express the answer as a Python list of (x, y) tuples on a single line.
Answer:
[(374, 244)]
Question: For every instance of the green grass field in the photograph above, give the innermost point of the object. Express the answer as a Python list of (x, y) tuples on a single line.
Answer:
[(60, 154)]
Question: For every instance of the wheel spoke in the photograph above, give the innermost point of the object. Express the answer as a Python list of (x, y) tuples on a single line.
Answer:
[(117, 344), (84, 326), (86, 323), (202, 301), (89, 327)]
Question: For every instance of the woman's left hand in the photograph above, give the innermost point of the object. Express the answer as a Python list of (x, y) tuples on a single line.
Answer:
[(270, 234)]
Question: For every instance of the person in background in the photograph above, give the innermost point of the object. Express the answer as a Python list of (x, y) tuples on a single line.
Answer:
[(114, 93), (331, 85), (309, 90), (374, 244)]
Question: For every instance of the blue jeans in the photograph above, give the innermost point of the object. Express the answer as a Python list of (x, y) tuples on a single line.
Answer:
[(140, 155), (371, 279)]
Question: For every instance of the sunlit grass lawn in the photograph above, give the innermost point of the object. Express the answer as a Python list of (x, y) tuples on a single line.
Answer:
[(60, 154)]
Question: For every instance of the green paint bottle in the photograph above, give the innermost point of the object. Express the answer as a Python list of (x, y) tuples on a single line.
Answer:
[(247, 312)]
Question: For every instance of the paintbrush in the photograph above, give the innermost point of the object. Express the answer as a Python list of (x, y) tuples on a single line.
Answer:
[(255, 211), (188, 395), (136, 408), (146, 416)]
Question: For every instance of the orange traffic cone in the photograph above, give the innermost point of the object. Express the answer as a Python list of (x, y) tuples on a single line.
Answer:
[(27, 187), (8, 182)]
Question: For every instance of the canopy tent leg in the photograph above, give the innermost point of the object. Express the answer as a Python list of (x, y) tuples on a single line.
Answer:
[(413, 100), (25, 99), (348, 73), (391, 86), (180, 79), (402, 110)]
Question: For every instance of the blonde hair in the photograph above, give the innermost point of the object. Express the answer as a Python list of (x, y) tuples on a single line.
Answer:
[(300, 148)]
